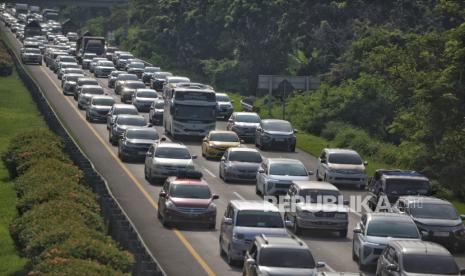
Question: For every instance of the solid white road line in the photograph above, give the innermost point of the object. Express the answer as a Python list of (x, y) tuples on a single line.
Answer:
[(239, 196), (209, 172)]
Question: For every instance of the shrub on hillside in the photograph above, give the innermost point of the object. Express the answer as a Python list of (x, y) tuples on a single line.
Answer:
[(91, 249), (70, 266), (6, 64)]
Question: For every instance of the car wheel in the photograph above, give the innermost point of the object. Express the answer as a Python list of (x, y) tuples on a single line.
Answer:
[(343, 233), (354, 256), (146, 174)]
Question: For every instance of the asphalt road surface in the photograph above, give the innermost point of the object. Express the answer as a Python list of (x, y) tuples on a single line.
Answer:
[(185, 250)]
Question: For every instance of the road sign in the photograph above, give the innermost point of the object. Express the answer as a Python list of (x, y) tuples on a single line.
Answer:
[(304, 83)]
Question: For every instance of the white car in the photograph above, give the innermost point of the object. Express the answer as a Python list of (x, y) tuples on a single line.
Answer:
[(275, 175), (341, 166), (103, 68), (87, 91)]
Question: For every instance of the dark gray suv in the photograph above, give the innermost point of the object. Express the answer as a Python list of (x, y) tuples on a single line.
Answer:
[(273, 133)]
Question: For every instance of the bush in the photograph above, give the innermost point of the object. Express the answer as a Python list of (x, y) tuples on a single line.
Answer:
[(70, 266), (331, 129), (6, 64), (90, 249)]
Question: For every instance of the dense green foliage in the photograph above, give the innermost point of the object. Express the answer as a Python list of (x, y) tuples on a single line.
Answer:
[(6, 65), (59, 227), (392, 71)]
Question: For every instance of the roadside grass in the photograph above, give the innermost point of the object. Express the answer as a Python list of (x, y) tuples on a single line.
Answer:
[(18, 113)]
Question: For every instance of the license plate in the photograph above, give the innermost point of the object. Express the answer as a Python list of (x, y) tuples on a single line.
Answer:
[(441, 234)]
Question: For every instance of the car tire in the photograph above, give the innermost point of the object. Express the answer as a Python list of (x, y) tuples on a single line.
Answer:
[(354, 256), (343, 233)]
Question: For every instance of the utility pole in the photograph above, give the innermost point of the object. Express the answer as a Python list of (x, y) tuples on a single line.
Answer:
[(270, 96)]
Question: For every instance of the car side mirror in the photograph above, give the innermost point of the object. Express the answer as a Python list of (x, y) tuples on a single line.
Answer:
[(320, 264), (194, 156), (289, 223), (250, 262), (392, 267), (163, 194), (365, 163), (261, 171), (462, 217), (228, 221), (215, 197), (357, 231)]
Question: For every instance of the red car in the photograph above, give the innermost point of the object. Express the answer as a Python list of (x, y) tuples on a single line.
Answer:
[(187, 200)]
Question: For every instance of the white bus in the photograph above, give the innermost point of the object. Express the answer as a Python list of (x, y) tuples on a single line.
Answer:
[(190, 110)]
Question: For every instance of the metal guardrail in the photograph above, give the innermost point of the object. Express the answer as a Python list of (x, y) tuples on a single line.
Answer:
[(246, 107), (120, 226)]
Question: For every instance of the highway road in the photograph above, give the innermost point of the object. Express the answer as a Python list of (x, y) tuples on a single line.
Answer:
[(186, 250)]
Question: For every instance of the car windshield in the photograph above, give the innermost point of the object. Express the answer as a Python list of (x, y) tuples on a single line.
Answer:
[(32, 51), (147, 94), (74, 71), (247, 118), (159, 105), (103, 101), (126, 77), (257, 218), (105, 63), (73, 78), (134, 85), (433, 211), (345, 158), (315, 196), (291, 169), (131, 121), (224, 137), (136, 65), (128, 111), (172, 153), (245, 156), (222, 98), (88, 82), (407, 187), (126, 56), (279, 257), (93, 91), (430, 264), (277, 126), (145, 134), (392, 228), (190, 191), (151, 69)]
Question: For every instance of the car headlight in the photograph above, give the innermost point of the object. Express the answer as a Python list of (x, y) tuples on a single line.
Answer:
[(341, 216), (170, 205), (211, 207)]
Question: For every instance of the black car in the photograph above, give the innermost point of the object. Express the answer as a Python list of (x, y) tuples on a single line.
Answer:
[(156, 112), (389, 184), (135, 142), (158, 80), (273, 133), (148, 73), (437, 220)]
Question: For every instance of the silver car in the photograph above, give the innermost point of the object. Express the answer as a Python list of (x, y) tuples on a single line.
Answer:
[(98, 108), (121, 79), (224, 107), (31, 55), (245, 219), (269, 255), (375, 231), (319, 206), (71, 71), (156, 112), (128, 89), (69, 83), (119, 109), (244, 124), (240, 164), (93, 63), (413, 258), (87, 59), (65, 65), (275, 175), (166, 159), (112, 78), (87, 92), (103, 68), (81, 82), (341, 166), (123, 122), (143, 99)]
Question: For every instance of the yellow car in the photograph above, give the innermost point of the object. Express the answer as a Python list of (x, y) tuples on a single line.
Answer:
[(217, 142)]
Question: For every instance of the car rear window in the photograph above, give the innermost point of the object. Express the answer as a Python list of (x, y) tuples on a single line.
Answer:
[(430, 264), (128, 111), (146, 134), (224, 137), (258, 218), (131, 121), (147, 94), (247, 118), (93, 91), (279, 257), (433, 211), (172, 153), (277, 126), (126, 77), (291, 169), (103, 101), (407, 187), (245, 156), (134, 85), (392, 228)]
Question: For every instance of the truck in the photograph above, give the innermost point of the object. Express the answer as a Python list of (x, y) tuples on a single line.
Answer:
[(50, 14), (190, 110), (33, 28), (21, 9), (90, 44)]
